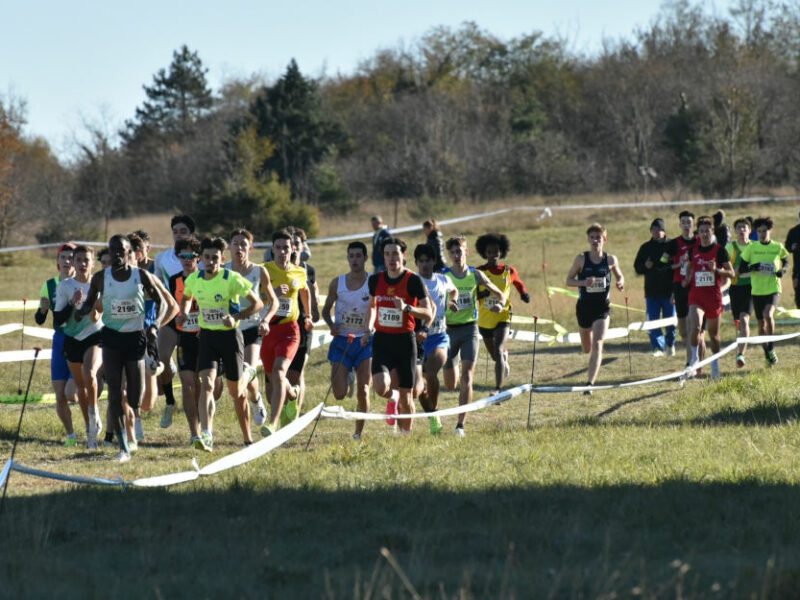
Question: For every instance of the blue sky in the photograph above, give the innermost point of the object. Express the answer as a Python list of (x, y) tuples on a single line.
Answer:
[(88, 60)]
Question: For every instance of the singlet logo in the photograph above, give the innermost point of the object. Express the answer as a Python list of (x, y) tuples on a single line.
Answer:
[(218, 297)]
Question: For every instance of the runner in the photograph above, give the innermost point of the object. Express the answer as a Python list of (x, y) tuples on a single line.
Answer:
[(123, 289), (739, 292), (60, 376), (81, 340), (216, 291), (436, 343), (462, 323), (591, 273), (282, 333), (241, 245), (188, 251), (397, 298), (703, 279), (166, 265), (494, 317), (768, 260), (792, 244), (351, 348), (297, 366), (676, 253), (657, 288), (380, 235)]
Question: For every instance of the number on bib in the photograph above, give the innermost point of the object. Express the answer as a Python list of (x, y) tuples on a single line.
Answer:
[(390, 317), (124, 308), (766, 268), (354, 320), (213, 315), (192, 324), (464, 301), (703, 279), (597, 287), (284, 307)]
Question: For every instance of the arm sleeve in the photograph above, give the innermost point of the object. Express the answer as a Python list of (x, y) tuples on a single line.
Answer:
[(722, 256), (518, 283), (372, 283), (416, 288), (62, 309), (641, 258)]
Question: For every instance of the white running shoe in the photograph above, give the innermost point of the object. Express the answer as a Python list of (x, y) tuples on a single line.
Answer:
[(671, 350), (166, 418), (460, 432), (250, 372), (98, 423), (133, 446), (259, 410), (123, 457), (138, 429)]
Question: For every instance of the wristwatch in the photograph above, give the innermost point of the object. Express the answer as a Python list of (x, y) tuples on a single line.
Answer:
[(407, 308)]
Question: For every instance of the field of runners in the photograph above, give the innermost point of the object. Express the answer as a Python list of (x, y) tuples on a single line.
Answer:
[(655, 491)]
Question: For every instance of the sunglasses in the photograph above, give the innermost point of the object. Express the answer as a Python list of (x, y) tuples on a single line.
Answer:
[(187, 255)]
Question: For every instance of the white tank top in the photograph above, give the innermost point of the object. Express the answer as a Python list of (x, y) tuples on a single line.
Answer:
[(123, 302), (254, 277), (352, 308)]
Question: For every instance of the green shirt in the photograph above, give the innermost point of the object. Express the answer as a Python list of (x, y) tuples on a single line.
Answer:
[(765, 260), (735, 252), (216, 297), (467, 287)]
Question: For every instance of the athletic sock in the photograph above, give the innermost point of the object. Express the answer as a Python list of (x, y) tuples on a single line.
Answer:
[(694, 355), (395, 396), (169, 394)]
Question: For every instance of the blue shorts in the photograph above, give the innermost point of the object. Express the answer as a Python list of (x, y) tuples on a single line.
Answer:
[(59, 371), (353, 353), (435, 341)]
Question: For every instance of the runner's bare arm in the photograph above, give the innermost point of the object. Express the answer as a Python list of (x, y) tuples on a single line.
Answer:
[(484, 281), (255, 305), (166, 306), (305, 298), (268, 295), (95, 289), (328, 306), (572, 275), (613, 264)]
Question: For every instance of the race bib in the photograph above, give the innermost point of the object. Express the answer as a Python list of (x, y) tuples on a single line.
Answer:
[(766, 268), (214, 316), (704, 279), (390, 317), (354, 320), (438, 325), (124, 308), (491, 302), (464, 301), (597, 287), (284, 307), (192, 324)]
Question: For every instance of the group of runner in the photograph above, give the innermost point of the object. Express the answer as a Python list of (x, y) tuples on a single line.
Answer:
[(395, 330)]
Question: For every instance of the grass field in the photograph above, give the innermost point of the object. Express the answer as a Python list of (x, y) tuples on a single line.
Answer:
[(653, 492)]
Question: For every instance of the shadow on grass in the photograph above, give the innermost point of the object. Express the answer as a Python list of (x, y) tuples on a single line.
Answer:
[(762, 413), (532, 541)]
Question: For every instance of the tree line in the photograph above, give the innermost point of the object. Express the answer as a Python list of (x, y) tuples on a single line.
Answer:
[(692, 103)]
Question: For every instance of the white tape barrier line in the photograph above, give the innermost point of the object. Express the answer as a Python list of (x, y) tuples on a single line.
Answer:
[(4, 473), (682, 374), (338, 412), (544, 209), (37, 332), (12, 356), (235, 459)]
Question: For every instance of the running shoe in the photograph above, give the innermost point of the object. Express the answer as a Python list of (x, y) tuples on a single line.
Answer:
[(671, 350), (772, 358), (205, 442), (289, 412), (258, 410), (740, 360), (70, 441), (460, 432), (657, 353), (589, 391), (133, 446), (357, 437), (267, 430), (250, 372), (123, 457), (166, 418), (435, 424), (196, 442), (138, 429)]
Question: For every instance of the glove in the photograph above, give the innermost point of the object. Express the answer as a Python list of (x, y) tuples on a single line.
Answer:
[(39, 317), (526, 298)]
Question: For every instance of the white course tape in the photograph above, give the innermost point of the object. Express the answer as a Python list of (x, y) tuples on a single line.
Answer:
[(37, 332), (12, 305), (262, 447), (654, 324), (338, 412), (70, 478), (4, 473), (235, 459), (12, 356)]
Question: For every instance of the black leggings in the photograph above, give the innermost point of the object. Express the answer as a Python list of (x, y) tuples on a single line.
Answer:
[(123, 353)]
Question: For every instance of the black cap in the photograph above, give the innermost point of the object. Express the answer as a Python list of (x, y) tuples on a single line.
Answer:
[(658, 223)]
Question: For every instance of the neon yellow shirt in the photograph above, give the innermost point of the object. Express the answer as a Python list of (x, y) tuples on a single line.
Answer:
[(216, 297), (765, 260)]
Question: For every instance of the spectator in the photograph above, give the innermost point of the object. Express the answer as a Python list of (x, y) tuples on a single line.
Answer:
[(657, 287), (381, 233), (433, 237)]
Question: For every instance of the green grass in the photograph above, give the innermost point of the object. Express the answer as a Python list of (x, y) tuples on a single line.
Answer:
[(655, 492)]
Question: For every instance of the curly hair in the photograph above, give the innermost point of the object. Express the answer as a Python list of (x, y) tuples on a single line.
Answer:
[(493, 239)]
